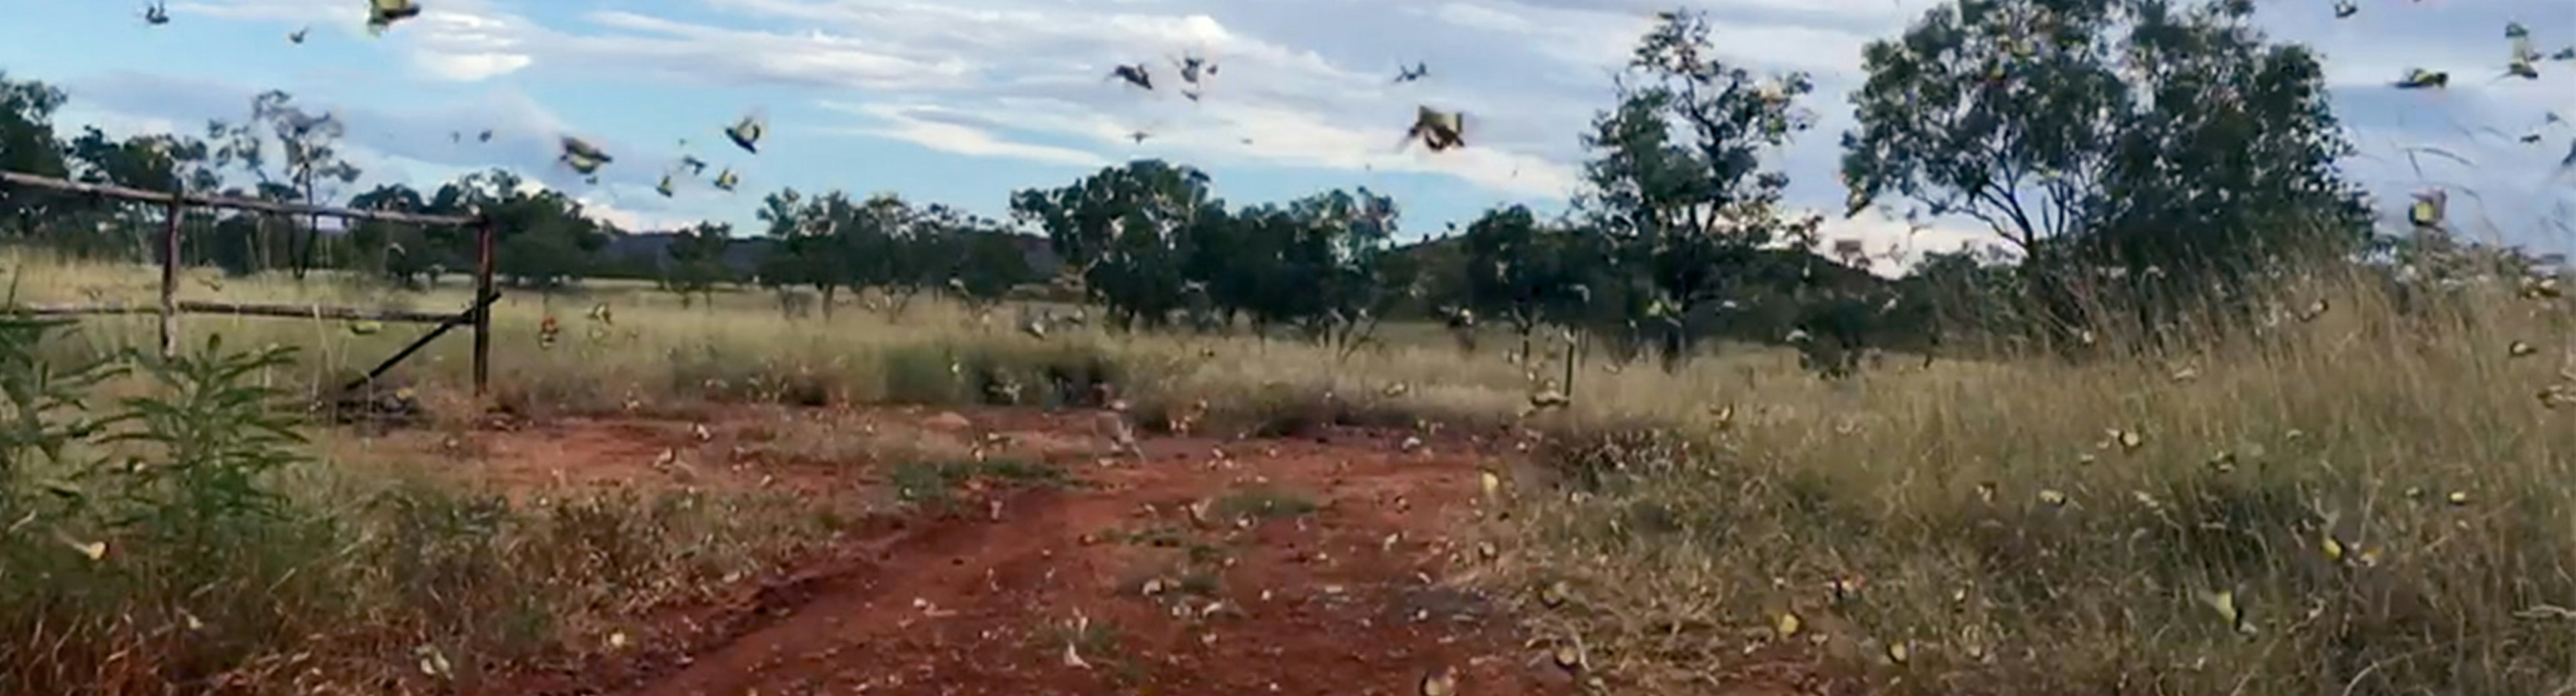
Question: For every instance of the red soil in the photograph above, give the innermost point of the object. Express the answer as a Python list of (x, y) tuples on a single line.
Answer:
[(1358, 596)]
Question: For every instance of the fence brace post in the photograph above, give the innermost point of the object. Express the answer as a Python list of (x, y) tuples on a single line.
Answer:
[(483, 241)]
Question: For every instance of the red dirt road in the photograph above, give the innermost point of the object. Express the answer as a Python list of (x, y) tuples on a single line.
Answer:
[(1326, 564)]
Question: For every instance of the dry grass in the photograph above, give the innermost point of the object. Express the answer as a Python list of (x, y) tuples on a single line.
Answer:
[(375, 580), (1684, 537), (1940, 498)]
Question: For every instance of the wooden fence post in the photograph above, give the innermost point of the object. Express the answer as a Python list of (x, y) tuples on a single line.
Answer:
[(176, 204), (483, 241), (176, 212)]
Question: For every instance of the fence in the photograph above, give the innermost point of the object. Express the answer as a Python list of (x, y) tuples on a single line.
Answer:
[(170, 307)]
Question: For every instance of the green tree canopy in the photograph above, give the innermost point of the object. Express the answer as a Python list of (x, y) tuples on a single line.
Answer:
[(1521, 269), (2136, 132), (974, 258), (1677, 184), (546, 240), (1121, 230), (401, 252), (28, 146), (697, 261)]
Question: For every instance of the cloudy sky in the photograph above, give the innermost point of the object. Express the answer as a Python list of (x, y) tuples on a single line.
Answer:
[(964, 100)]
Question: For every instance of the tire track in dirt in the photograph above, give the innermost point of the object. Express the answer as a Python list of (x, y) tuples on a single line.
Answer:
[(908, 585), (1299, 565)]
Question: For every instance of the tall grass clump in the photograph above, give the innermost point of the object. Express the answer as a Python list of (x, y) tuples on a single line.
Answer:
[(2366, 476), (183, 540)]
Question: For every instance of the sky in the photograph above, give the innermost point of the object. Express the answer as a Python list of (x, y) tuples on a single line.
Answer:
[(964, 101)]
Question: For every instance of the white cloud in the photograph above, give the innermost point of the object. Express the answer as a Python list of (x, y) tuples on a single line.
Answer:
[(600, 209), (1893, 246), (1593, 37), (461, 41), (812, 58), (116, 124), (272, 10), (1578, 37), (471, 67), (906, 124), (469, 43)]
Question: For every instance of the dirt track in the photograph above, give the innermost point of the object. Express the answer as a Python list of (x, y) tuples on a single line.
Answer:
[(1324, 564)]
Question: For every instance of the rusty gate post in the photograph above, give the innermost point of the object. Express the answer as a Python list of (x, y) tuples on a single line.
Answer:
[(170, 276), (483, 240)]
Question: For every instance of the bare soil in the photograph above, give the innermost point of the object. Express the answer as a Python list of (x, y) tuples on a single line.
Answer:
[(1335, 562)]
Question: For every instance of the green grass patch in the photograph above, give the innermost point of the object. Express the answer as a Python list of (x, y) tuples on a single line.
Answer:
[(1263, 503), (935, 483)]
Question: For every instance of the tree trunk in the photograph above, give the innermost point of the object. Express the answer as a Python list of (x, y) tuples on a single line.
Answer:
[(255, 250), (1573, 356), (312, 241), (312, 235), (1674, 348)]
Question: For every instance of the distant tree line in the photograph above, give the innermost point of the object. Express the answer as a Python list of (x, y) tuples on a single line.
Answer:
[(2141, 160)]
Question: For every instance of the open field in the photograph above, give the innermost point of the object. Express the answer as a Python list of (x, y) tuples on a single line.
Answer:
[(2215, 395), (2381, 495)]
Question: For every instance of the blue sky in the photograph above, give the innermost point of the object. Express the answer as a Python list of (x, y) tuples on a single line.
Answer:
[(965, 100)]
